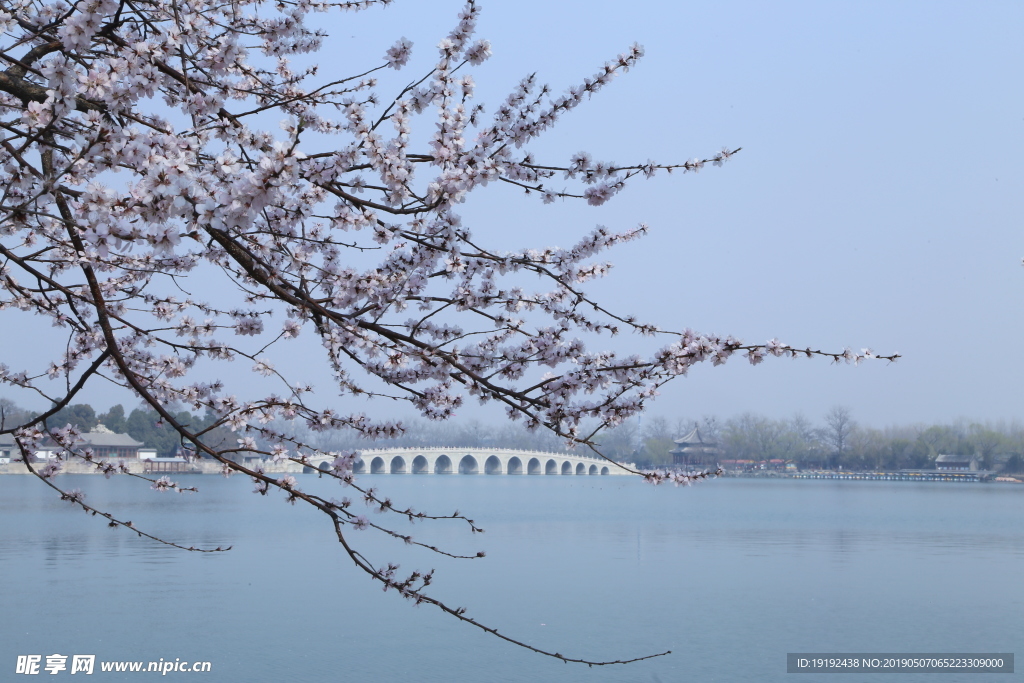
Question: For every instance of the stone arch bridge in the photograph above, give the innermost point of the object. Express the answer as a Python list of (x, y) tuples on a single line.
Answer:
[(442, 460)]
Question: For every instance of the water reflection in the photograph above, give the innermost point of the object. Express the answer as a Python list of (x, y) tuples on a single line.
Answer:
[(610, 569)]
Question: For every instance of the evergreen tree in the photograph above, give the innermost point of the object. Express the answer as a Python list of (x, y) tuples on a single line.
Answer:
[(80, 415), (114, 419)]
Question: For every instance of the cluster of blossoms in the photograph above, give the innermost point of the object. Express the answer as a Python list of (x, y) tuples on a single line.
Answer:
[(169, 97)]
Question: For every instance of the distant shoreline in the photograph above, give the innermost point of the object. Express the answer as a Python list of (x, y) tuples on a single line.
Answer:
[(952, 476), (207, 467)]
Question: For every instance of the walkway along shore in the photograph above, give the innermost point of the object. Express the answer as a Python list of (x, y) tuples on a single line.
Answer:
[(900, 475)]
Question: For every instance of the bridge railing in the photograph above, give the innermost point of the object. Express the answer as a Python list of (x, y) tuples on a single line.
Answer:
[(481, 449)]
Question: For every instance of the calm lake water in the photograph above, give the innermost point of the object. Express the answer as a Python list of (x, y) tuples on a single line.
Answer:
[(730, 575)]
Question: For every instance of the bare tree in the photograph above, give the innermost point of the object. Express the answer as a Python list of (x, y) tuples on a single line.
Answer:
[(986, 441), (656, 441), (620, 442), (11, 413), (838, 426), (332, 222), (759, 438), (803, 428)]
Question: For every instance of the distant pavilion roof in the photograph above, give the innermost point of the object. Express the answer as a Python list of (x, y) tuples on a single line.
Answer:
[(694, 438), (693, 448)]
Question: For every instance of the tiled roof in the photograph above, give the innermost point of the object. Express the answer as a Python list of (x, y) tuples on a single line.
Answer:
[(693, 438), (110, 439)]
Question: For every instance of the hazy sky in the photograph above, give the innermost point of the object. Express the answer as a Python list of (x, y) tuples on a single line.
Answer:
[(876, 202)]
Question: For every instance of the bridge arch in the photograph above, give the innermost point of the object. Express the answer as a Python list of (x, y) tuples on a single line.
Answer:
[(463, 460), (324, 466), (468, 465)]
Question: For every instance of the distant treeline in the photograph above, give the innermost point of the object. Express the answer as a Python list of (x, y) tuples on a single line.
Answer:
[(837, 441), (141, 424)]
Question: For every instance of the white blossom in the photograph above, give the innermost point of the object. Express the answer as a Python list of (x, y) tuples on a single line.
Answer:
[(398, 55)]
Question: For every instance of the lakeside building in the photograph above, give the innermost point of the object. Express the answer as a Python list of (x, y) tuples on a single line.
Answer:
[(9, 450), (956, 463), (693, 451), (176, 463), (104, 443), (109, 444)]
